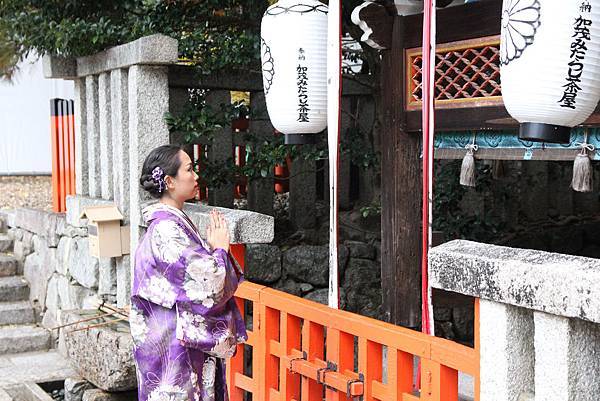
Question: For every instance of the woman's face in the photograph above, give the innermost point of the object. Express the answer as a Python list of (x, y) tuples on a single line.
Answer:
[(184, 185)]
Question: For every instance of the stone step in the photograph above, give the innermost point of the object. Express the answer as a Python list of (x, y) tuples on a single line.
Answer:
[(6, 243), (13, 289), (18, 339), (16, 313), (8, 265)]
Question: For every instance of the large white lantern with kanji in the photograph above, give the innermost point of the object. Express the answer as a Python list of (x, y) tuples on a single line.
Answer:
[(294, 66), (550, 65)]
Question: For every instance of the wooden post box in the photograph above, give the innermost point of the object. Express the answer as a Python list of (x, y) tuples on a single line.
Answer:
[(107, 237)]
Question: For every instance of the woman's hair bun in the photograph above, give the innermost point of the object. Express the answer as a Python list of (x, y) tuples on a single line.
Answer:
[(148, 184), (167, 158)]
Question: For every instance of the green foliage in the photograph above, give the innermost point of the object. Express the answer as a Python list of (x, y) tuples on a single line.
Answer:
[(360, 150), (213, 34), (374, 209), (449, 212), (198, 122)]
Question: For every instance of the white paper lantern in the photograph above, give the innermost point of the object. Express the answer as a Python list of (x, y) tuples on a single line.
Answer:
[(550, 65), (294, 63)]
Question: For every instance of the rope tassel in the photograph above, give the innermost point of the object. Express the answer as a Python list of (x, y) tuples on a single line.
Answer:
[(467, 169), (582, 168)]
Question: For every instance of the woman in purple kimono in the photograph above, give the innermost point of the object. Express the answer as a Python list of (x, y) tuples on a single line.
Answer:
[(184, 320)]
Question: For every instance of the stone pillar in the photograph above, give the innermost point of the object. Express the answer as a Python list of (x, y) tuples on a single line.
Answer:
[(81, 161), (303, 193), (220, 150), (507, 354), (567, 358), (148, 90), (261, 190), (368, 180), (106, 146), (344, 178), (93, 135), (120, 139)]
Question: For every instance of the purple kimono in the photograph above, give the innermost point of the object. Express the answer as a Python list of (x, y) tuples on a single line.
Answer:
[(184, 320)]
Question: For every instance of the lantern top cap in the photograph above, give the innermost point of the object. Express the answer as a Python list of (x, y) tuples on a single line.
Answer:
[(296, 6)]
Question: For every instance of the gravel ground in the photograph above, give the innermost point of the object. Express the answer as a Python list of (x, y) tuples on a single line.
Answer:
[(26, 191)]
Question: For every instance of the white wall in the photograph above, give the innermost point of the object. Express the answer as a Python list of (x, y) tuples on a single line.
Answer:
[(25, 119)]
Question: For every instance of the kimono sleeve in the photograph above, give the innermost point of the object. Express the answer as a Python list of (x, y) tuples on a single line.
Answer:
[(185, 271), (209, 279), (167, 244), (207, 316)]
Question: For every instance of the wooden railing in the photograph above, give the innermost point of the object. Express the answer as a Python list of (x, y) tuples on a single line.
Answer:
[(302, 350), (62, 133)]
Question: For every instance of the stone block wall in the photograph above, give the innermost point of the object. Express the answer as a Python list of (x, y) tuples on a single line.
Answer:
[(54, 258), (303, 270)]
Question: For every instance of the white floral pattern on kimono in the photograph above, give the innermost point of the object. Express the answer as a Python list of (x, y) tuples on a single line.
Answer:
[(138, 326), (168, 392), (209, 372), (204, 280), (169, 241), (226, 341), (192, 325), (159, 290)]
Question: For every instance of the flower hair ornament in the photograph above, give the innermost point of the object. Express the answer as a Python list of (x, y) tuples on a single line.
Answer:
[(158, 176)]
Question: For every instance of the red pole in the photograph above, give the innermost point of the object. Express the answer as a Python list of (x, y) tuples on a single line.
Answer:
[(55, 166), (427, 114)]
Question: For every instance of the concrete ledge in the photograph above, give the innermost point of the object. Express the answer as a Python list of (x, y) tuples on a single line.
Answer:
[(45, 224), (150, 50), (245, 227), (59, 67), (559, 284)]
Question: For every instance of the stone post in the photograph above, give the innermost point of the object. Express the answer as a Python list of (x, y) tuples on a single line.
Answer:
[(220, 150), (303, 193), (93, 135), (344, 178), (148, 102), (81, 160), (260, 191), (367, 178), (567, 358), (106, 145), (120, 139), (507, 356)]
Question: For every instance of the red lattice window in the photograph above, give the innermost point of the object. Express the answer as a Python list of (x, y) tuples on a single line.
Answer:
[(467, 74)]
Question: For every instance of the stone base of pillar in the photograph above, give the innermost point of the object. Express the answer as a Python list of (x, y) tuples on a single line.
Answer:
[(507, 354), (567, 358)]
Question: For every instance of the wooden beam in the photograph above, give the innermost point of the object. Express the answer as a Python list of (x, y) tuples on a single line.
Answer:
[(472, 20), (400, 194), (461, 119)]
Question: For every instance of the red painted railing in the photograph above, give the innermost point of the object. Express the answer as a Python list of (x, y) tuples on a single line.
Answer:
[(302, 350)]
